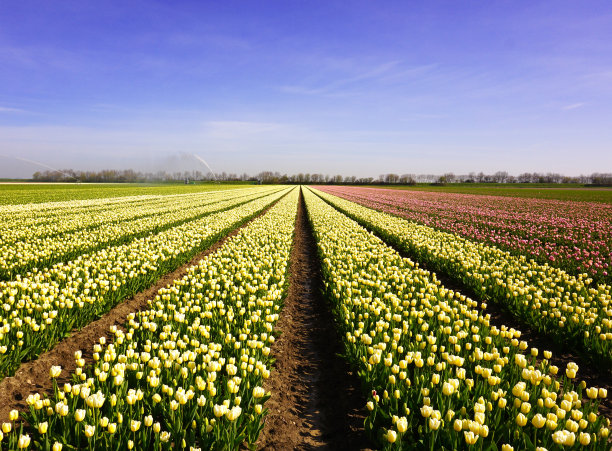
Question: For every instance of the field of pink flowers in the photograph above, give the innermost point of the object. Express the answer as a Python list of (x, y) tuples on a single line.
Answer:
[(575, 236)]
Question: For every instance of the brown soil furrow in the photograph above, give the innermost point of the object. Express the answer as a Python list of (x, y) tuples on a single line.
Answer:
[(316, 402), (33, 376)]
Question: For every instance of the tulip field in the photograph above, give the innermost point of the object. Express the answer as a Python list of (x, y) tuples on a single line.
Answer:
[(571, 309), (574, 236), (441, 377), (190, 370), (43, 305), (84, 230)]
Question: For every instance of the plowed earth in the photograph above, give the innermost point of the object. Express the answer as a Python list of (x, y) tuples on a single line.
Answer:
[(316, 401)]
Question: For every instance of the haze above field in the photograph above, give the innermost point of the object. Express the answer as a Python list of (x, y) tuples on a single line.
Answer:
[(359, 88)]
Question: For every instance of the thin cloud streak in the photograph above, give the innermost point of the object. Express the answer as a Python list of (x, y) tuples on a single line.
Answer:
[(573, 106), (4, 109), (380, 73)]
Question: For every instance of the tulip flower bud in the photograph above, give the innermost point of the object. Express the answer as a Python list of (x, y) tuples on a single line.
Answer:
[(55, 371), (79, 415), (43, 427), (89, 430), (23, 442)]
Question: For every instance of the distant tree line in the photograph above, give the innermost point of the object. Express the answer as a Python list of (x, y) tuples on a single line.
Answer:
[(130, 176), (599, 179), (269, 177)]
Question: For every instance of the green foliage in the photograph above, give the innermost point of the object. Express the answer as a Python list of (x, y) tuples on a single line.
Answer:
[(24, 193), (539, 191)]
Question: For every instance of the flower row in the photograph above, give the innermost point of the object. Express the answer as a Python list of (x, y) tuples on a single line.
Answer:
[(41, 249), (52, 195), (39, 309), (571, 309), (17, 218), (439, 375), (187, 371), (20, 222), (575, 236)]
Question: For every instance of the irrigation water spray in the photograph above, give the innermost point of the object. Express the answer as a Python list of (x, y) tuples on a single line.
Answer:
[(204, 161), (42, 165)]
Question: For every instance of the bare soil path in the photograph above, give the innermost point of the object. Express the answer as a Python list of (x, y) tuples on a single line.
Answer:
[(33, 376), (316, 401)]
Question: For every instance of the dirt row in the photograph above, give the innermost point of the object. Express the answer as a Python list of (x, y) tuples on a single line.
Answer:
[(316, 402)]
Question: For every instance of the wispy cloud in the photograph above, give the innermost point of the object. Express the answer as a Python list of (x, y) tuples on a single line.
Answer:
[(245, 136), (573, 106), (48, 57), (4, 109), (410, 72), (14, 54), (217, 40), (387, 71), (240, 129), (603, 75), (420, 116)]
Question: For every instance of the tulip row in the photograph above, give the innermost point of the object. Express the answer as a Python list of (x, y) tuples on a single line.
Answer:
[(574, 236), (572, 310), (35, 194), (18, 218), (439, 375), (42, 308), (40, 250), (188, 370), (19, 222)]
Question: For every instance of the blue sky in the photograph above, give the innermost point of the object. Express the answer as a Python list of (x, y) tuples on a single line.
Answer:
[(350, 87)]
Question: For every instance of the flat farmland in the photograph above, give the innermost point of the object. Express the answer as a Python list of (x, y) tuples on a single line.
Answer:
[(542, 191), (282, 317), (22, 193)]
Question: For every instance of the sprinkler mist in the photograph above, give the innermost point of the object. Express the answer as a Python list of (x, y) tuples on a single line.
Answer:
[(200, 159), (42, 165)]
